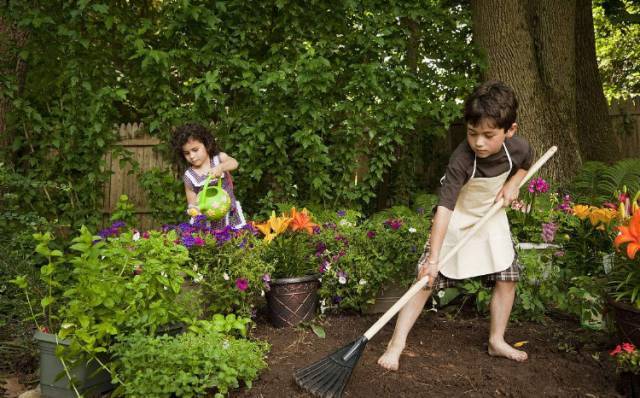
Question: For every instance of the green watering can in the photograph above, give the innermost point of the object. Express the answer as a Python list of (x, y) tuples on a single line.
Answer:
[(214, 201)]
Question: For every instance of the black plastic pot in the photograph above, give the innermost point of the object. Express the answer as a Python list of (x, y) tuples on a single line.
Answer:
[(293, 300)]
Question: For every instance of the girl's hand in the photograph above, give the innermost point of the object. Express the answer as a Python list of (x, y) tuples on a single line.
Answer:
[(216, 171), (193, 211)]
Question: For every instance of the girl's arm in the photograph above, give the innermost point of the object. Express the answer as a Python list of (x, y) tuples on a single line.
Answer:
[(438, 231), (227, 163), (192, 201)]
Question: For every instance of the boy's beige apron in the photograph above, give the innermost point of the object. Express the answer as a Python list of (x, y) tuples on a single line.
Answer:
[(491, 249)]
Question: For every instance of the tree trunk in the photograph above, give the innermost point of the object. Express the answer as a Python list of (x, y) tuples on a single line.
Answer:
[(529, 45), (594, 124)]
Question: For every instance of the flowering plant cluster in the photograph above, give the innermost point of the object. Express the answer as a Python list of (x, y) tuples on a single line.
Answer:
[(627, 358), (357, 261), (625, 278)]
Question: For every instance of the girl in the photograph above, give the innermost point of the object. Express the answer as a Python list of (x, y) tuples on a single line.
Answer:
[(196, 145)]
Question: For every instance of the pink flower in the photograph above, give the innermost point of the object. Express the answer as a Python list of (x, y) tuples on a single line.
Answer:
[(371, 234), (145, 234), (242, 284), (198, 241), (628, 347), (538, 185)]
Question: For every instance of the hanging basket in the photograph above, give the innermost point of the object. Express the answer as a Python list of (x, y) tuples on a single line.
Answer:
[(627, 320), (293, 300)]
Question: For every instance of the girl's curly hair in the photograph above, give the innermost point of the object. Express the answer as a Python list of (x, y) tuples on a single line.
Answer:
[(194, 131)]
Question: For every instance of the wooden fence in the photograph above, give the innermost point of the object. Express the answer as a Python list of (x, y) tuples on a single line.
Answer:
[(133, 138), (625, 117)]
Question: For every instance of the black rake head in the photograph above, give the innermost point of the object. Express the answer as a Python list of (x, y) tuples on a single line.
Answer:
[(328, 377)]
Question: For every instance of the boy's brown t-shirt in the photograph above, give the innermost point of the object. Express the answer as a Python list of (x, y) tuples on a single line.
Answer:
[(460, 167)]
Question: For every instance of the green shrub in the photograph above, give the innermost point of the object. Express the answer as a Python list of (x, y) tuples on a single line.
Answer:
[(188, 365)]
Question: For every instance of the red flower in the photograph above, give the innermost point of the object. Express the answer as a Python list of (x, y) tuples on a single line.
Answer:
[(628, 347), (616, 351)]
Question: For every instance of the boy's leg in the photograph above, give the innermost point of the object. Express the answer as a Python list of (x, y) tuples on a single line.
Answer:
[(406, 318), (502, 299)]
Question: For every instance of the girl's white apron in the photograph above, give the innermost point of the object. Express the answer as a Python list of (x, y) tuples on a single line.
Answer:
[(490, 250)]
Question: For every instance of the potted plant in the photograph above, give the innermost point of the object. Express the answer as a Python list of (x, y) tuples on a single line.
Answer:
[(102, 287), (627, 359), (292, 287), (625, 280)]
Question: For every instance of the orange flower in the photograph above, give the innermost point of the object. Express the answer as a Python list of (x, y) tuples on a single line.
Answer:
[(630, 234), (301, 220)]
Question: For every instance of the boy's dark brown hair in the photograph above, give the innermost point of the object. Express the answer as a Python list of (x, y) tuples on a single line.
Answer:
[(194, 131), (493, 100)]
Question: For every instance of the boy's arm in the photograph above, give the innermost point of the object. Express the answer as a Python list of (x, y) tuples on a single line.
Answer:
[(511, 189), (438, 231)]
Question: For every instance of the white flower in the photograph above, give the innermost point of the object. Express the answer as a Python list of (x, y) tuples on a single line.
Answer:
[(342, 280), (441, 293), (412, 230), (136, 236), (262, 293), (195, 267), (323, 306), (327, 268), (225, 345), (362, 282), (345, 223), (163, 273), (225, 276), (198, 278)]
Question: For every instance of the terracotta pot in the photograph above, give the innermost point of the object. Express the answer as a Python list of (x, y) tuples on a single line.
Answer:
[(293, 300)]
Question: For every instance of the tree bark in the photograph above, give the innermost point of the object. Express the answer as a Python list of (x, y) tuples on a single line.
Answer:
[(529, 44), (594, 124)]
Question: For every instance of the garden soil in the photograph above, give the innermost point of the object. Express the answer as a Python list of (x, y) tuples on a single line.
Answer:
[(446, 356)]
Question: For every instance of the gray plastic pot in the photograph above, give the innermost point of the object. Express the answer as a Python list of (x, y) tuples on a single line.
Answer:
[(89, 378)]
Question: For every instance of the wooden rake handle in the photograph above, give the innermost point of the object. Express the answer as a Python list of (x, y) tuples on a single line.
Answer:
[(386, 317)]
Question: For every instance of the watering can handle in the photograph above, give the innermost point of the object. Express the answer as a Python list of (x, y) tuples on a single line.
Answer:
[(206, 186), (386, 317)]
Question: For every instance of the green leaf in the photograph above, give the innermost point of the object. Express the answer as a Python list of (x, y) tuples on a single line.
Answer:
[(318, 330)]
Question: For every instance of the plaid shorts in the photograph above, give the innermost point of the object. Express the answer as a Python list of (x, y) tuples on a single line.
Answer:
[(511, 274)]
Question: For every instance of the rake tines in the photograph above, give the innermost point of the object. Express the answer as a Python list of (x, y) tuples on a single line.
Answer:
[(328, 377)]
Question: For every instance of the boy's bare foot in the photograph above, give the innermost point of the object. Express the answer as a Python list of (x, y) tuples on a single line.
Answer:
[(502, 349), (391, 358)]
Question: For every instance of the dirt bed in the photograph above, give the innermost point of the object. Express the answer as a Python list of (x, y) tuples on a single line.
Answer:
[(446, 357)]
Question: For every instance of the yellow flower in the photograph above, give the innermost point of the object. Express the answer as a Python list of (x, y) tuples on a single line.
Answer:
[(581, 211), (601, 216)]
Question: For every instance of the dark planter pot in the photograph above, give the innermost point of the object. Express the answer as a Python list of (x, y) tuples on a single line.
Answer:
[(387, 297), (89, 378), (293, 300), (629, 385), (627, 320)]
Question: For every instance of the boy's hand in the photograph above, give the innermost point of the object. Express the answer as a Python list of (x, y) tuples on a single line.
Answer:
[(430, 268), (509, 193)]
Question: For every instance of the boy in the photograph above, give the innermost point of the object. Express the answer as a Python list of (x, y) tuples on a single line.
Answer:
[(488, 166)]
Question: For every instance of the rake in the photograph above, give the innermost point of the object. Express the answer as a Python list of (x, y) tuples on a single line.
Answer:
[(328, 377)]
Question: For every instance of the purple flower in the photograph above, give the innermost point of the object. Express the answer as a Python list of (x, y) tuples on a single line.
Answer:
[(242, 284), (371, 234), (266, 278), (316, 229), (337, 299), (566, 206), (188, 241), (549, 232), (320, 248), (538, 185), (118, 224), (329, 225), (421, 211), (341, 213), (340, 238), (145, 235), (559, 253)]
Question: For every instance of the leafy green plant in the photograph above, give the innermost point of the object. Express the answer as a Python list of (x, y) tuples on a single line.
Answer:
[(125, 211), (188, 365), (230, 271), (166, 195), (596, 181), (627, 358)]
